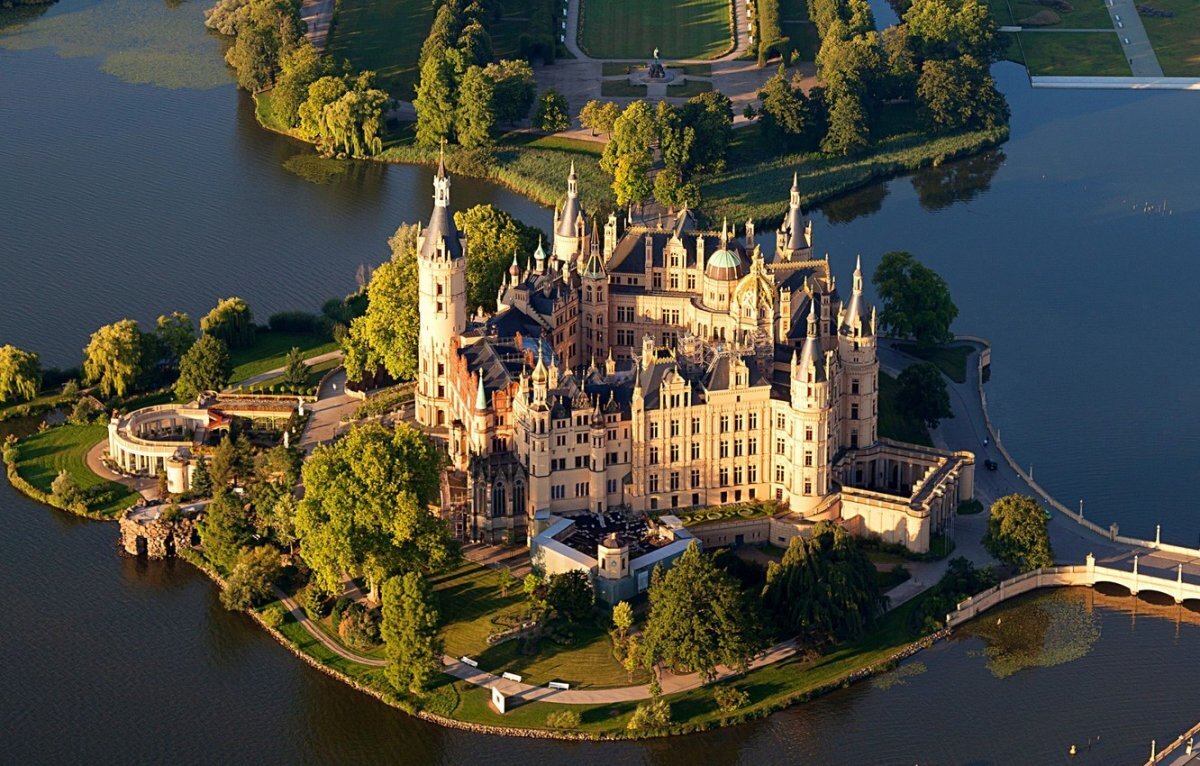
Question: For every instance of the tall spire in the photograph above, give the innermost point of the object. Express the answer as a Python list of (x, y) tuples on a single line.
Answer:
[(858, 275), (794, 200), (441, 182), (481, 395), (572, 186)]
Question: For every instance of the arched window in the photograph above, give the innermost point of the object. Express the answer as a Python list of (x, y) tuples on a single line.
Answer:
[(498, 505), (518, 498)]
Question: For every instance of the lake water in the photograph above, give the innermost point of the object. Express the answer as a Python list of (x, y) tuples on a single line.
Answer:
[(136, 182)]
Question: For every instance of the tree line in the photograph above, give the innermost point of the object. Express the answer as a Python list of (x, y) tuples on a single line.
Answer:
[(938, 58)]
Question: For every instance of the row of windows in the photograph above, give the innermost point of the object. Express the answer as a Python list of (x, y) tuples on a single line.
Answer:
[(740, 422)]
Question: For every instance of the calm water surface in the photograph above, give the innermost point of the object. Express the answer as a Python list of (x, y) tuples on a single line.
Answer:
[(135, 182)]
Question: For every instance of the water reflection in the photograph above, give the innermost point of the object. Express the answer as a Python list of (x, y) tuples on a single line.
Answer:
[(958, 181), (856, 204)]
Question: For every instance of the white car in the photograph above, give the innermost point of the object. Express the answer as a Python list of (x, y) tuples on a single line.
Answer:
[(1120, 25), (1118, 18), (1127, 41)]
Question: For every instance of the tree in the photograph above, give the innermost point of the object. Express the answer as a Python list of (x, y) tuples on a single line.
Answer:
[(899, 62), (65, 489), (514, 89), (607, 117), (295, 371), (553, 112), (386, 334), (505, 579), (729, 698), (698, 618), (960, 95), (824, 589), (311, 112), (366, 507), (231, 462), (631, 180), (443, 34), (848, 130), (1017, 533), (922, 393), (410, 627), (224, 530), (176, 333), (784, 115), (264, 31), (916, 300), (495, 237), (20, 374), (475, 44), (231, 321), (298, 69), (255, 571), (85, 411), (476, 110), (281, 520), (622, 619), (653, 714), (946, 30), (113, 357), (571, 596), (201, 479), (435, 102), (589, 114), (205, 367), (710, 116)]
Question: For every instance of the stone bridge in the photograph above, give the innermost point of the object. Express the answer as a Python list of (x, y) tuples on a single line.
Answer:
[(1089, 574)]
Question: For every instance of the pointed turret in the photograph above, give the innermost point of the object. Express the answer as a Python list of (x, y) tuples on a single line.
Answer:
[(441, 238), (852, 319), (539, 257), (514, 270), (570, 223), (794, 238), (481, 403), (811, 357)]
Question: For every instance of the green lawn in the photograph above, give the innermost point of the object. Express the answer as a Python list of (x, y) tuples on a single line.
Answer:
[(1176, 40), (41, 456), (384, 36), (1074, 53), (951, 360), (894, 424), (633, 28), (1085, 14), (559, 143), (469, 600), (315, 373), (689, 88), (270, 351)]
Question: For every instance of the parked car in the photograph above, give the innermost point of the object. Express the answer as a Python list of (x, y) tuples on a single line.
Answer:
[(990, 465)]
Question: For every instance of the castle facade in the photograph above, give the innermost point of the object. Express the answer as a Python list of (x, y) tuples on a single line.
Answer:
[(662, 368)]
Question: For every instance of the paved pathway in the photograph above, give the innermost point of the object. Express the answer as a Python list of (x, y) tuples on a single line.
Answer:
[(318, 15), (147, 486), (333, 404), (1116, 83), (1134, 41)]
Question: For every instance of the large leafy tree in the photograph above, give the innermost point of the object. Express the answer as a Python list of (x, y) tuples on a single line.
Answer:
[(710, 116), (366, 507), (960, 94), (1018, 534), (849, 129), (628, 156), (205, 367), (553, 113), (113, 357), (825, 588), (494, 237), (916, 300), (298, 69), (476, 109), (921, 392), (410, 626), (698, 617), (253, 574), (176, 333), (475, 44), (386, 335), (570, 594), (265, 31), (514, 89), (225, 530), (231, 321), (948, 29), (784, 115), (436, 101), (20, 374)]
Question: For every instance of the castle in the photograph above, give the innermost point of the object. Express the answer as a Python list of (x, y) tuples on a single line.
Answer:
[(654, 369)]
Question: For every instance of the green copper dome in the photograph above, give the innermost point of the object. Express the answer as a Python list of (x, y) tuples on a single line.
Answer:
[(726, 265)]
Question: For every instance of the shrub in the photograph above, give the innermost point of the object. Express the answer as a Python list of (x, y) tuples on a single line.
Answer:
[(254, 574), (563, 719), (299, 322), (85, 411), (730, 698), (316, 602), (653, 714), (359, 627), (339, 608), (65, 489), (274, 615)]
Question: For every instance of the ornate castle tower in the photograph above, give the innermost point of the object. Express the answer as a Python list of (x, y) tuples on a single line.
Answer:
[(570, 226), (860, 368), (594, 306), (793, 241), (812, 419), (442, 277)]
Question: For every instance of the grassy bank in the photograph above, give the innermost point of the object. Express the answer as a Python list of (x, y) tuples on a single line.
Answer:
[(951, 360), (270, 352), (41, 456), (1176, 39), (759, 189)]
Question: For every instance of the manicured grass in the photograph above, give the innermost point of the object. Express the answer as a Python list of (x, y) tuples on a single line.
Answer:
[(633, 28), (621, 89), (1086, 14), (42, 455), (1176, 40), (270, 351), (1074, 53), (384, 36), (894, 424), (558, 143), (470, 600), (753, 186), (689, 88), (315, 373), (951, 360)]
